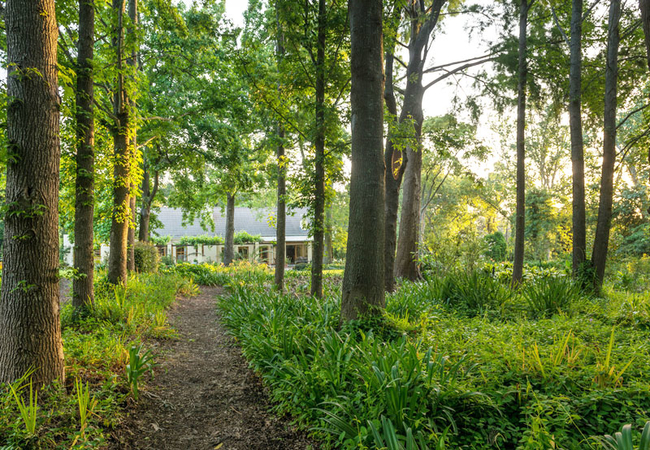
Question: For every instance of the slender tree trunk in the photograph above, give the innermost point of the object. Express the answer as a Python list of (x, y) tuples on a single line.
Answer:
[(148, 196), (603, 226), (130, 239), (30, 332), (229, 251), (133, 64), (363, 281), (281, 214), (83, 293), (408, 242), (319, 144), (577, 150), (644, 6), (329, 248), (520, 220), (117, 273), (281, 219), (393, 160)]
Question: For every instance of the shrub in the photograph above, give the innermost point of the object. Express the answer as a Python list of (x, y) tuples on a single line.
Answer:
[(245, 238), (549, 295), (497, 248), (473, 293), (146, 257)]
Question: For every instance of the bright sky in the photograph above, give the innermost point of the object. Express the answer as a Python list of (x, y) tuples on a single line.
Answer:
[(235, 10)]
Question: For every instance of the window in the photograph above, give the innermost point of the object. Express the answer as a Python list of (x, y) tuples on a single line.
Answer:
[(162, 250), (180, 254), (243, 252), (264, 254)]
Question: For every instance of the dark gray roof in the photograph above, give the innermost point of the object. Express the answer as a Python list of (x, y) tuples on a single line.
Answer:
[(253, 221)]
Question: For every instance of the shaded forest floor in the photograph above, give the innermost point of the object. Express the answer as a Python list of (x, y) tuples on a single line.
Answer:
[(203, 396)]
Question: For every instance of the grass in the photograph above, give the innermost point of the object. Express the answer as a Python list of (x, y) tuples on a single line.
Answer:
[(77, 414), (460, 362)]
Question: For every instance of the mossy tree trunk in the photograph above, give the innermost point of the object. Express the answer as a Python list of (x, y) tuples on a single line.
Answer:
[(83, 292), (30, 332)]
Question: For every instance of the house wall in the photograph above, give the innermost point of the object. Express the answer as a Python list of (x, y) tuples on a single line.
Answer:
[(214, 253)]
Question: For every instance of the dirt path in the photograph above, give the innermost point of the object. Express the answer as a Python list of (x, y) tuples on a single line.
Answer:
[(204, 395)]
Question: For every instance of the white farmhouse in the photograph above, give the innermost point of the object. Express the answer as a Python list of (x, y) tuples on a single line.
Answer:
[(256, 222)]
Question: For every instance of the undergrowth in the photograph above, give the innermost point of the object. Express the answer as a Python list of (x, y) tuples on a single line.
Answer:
[(79, 413), (458, 362)]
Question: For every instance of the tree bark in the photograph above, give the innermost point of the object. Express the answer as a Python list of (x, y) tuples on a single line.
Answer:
[(319, 144), (117, 265), (644, 6), (603, 226), (329, 246), (229, 250), (133, 64), (148, 196), (392, 180), (281, 213), (30, 332), (520, 219), (406, 259), (281, 219), (83, 293), (363, 280), (577, 150), (130, 239)]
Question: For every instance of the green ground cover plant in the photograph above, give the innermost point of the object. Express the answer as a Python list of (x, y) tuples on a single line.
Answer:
[(461, 362), (77, 414)]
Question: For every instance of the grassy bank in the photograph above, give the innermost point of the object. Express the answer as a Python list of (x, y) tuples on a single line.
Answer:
[(460, 361), (97, 348)]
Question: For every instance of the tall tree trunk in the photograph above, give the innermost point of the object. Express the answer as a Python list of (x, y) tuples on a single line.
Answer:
[(133, 64), (408, 242), (363, 280), (644, 6), (520, 220), (30, 331), (603, 226), (577, 150), (281, 219), (229, 250), (392, 180), (83, 293), (117, 273), (281, 214), (148, 196), (130, 239), (319, 144), (329, 247)]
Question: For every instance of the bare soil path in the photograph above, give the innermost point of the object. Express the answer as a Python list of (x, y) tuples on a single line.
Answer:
[(204, 396)]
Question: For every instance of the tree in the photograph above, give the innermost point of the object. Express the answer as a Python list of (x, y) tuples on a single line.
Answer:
[(30, 331), (363, 280), (601, 240), (281, 211), (577, 150), (644, 6), (121, 217), (132, 62), (84, 259), (229, 249), (422, 23), (520, 219)]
